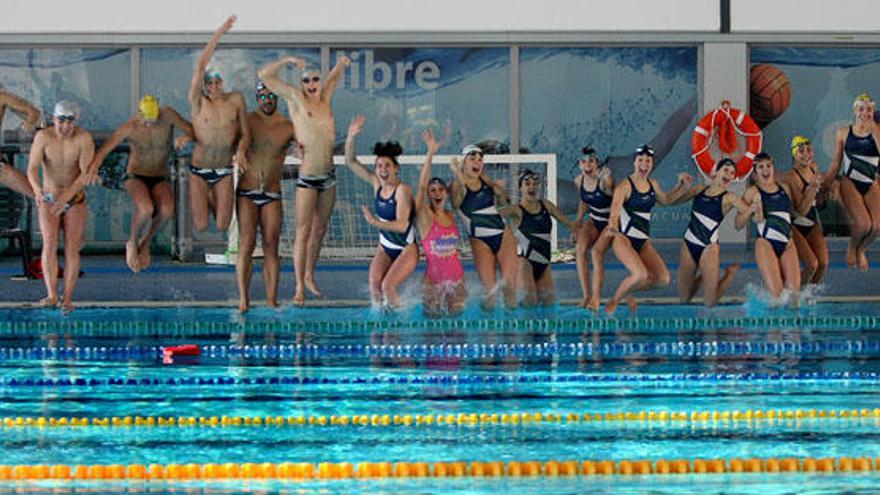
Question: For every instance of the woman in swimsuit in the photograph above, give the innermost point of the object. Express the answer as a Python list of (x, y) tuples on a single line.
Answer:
[(700, 252), (479, 198), (596, 186), (532, 223), (804, 181), (443, 287), (775, 252), (397, 253), (856, 149), (630, 224)]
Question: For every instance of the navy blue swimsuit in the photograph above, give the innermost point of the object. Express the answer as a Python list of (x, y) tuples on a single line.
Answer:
[(707, 212), (805, 223), (635, 218), (598, 204), (393, 243), (776, 227), (533, 239), (860, 158), (483, 221)]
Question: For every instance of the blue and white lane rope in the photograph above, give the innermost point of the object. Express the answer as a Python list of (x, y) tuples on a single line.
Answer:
[(819, 348), (434, 379), (195, 328)]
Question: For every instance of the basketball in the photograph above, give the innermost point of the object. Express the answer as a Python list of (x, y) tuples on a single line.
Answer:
[(770, 93)]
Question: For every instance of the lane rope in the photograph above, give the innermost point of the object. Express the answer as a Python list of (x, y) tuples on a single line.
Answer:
[(506, 419), (348, 470)]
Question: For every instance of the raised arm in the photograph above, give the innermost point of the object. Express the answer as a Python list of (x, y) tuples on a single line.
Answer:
[(676, 195), (425, 175), (355, 128), (335, 75), (21, 107), (35, 159), (195, 85), (558, 215), (269, 75)]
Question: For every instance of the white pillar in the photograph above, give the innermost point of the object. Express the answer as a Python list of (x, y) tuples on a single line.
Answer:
[(726, 77)]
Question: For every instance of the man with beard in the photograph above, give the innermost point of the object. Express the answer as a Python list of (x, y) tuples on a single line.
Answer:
[(312, 116), (259, 196)]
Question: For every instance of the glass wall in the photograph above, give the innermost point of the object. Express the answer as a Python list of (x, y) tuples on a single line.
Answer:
[(809, 91), (613, 99)]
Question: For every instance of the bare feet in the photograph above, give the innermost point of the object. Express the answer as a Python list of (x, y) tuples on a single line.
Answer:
[(131, 256), (299, 298), (585, 303), (611, 306), (67, 307), (631, 302), (144, 256), (312, 287), (272, 303), (851, 256), (863, 262), (48, 302), (593, 305), (243, 306)]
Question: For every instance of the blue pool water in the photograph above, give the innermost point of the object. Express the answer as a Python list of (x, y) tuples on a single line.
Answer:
[(351, 361)]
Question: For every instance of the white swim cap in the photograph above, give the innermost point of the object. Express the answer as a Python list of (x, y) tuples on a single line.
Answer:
[(471, 148), (66, 108)]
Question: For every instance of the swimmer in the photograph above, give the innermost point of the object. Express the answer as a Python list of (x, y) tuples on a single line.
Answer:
[(857, 150), (775, 253), (804, 180), (532, 223), (30, 115), (700, 252), (479, 200), (64, 153), (630, 224), (596, 187), (443, 287), (259, 196), (147, 181), (219, 121), (397, 253), (312, 116)]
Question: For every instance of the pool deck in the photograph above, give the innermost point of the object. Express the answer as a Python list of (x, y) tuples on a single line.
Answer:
[(108, 282)]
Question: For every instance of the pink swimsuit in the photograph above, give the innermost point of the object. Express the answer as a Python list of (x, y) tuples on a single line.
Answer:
[(441, 253)]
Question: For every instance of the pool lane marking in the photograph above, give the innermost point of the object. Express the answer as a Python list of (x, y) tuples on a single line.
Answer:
[(449, 379), (420, 469), (507, 419)]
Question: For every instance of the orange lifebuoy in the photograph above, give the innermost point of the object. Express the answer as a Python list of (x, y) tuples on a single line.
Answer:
[(726, 125)]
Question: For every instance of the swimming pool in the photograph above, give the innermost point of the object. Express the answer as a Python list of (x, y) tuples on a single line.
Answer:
[(277, 391)]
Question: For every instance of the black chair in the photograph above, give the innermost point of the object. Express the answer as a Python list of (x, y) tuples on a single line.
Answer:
[(12, 205)]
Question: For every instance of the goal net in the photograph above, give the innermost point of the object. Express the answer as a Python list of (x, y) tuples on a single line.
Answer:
[(349, 236)]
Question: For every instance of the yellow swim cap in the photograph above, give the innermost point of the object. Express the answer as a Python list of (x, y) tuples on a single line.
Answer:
[(149, 107), (863, 98), (796, 142)]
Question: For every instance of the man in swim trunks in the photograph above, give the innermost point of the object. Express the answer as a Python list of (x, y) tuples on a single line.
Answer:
[(64, 152), (222, 139), (150, 133), (312, 117), (9, 176), (259, 196)]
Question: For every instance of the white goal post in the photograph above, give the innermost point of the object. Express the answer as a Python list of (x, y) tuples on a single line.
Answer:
[(349, 236)]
